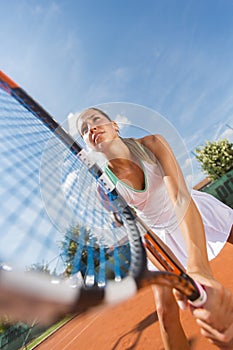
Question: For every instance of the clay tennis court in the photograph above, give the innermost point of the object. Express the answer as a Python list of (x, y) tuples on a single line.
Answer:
[(133, 324)]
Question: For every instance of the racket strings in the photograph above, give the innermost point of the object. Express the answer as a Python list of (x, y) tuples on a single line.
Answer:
[(23, 218), (49, 200)]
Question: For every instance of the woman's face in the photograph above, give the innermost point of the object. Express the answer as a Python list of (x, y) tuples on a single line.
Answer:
[(96, 129)]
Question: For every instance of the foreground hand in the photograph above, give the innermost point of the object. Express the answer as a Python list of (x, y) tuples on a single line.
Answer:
[(215, 317)]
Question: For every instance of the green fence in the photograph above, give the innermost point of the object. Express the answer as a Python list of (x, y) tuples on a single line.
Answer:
[(16, 336), (222, 188)]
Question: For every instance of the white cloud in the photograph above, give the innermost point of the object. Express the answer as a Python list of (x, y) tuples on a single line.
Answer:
[(187, 162), (122, 121), (227, 134), (72, 119), (49, 8)]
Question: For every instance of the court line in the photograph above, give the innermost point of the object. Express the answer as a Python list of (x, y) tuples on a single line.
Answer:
[(84, 329)]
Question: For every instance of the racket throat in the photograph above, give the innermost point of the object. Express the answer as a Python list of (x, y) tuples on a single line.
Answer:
[(157, 251)]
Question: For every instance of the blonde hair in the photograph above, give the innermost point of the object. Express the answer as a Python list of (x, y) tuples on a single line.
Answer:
[(138, 150), (94, 109)]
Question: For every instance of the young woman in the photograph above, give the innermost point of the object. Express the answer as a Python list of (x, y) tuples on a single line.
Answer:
[(147, 175)]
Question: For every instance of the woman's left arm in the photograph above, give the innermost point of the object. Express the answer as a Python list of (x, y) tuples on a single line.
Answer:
[(188, 216)]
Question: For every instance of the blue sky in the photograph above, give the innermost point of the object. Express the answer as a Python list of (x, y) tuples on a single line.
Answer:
[(172, 56)]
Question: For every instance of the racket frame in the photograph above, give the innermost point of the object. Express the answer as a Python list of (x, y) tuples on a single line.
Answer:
[(157, 248)]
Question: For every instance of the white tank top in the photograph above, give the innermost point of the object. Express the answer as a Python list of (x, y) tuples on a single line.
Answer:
[(154, 206), (152, 203)]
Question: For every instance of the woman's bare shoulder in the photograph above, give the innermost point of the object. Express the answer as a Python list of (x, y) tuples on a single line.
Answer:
[(151, 141)]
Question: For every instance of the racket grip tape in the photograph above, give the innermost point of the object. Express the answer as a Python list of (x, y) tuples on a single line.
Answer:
[(201, 300)]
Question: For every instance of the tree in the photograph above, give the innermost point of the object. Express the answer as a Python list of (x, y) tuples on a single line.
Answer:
[(40, 267), (70, 247), (77, 255), (216, 158), (5, 324)]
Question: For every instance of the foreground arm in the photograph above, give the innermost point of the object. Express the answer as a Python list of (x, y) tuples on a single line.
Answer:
[(215, 318)]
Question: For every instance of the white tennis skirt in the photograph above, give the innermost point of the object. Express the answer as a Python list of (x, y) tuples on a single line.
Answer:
[(217, 219)]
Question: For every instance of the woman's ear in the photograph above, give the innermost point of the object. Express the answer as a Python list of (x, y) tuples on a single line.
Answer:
[(115, 125)]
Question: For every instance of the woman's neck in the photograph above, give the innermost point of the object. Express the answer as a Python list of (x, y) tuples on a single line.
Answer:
[(118, 155)]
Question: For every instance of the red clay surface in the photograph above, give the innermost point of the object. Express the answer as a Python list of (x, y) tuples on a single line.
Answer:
[(133, 324)]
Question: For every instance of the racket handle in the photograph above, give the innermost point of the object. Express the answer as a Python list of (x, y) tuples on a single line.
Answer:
[(201, 300)]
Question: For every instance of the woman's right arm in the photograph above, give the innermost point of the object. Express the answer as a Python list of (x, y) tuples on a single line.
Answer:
[(188, 216), (215, 318)]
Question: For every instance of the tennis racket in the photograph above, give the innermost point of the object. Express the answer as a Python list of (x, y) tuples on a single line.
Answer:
[(59, 244)]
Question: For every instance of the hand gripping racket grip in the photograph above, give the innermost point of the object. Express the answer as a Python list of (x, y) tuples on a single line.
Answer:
[(201, 300)]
